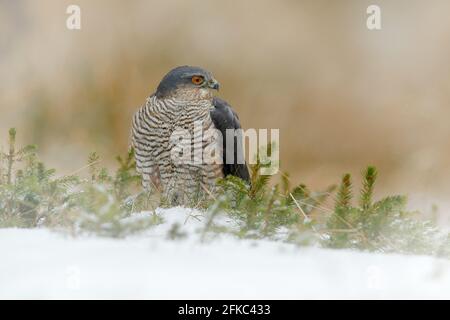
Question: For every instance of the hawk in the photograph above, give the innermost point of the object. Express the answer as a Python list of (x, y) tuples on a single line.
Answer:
[(184, 115)]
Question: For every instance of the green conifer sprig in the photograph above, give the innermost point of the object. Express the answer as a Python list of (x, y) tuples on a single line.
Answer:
[(93, 161), (126, 174), (11, 154), (369, 178), (344, 195)]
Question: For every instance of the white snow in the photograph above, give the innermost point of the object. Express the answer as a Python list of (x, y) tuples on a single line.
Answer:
[(43, 264)]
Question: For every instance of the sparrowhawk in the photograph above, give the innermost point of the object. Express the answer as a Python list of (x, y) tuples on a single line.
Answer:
[(181, 117)]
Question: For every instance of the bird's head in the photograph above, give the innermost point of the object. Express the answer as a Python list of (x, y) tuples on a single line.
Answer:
[(187, 83)]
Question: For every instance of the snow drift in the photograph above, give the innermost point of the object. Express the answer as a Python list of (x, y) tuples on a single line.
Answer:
[(38, 263)]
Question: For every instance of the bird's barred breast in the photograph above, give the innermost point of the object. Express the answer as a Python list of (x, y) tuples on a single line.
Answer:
[(152, 130)]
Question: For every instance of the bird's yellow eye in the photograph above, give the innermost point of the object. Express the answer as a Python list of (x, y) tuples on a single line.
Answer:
[(197, 80)]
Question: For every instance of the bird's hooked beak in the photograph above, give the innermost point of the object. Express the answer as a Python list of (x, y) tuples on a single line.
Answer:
[(214, 84)]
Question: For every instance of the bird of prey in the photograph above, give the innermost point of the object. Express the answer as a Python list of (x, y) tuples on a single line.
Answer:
[(168, 123)]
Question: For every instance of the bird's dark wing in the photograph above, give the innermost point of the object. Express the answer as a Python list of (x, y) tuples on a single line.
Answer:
[(225, 118)]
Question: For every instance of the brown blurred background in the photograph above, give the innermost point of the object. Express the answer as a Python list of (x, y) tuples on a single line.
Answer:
[(342, 96)]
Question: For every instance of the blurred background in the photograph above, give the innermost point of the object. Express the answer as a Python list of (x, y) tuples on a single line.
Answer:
[(342, 96)]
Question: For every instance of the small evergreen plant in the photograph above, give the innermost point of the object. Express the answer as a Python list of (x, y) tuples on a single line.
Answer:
[(31, 195)]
